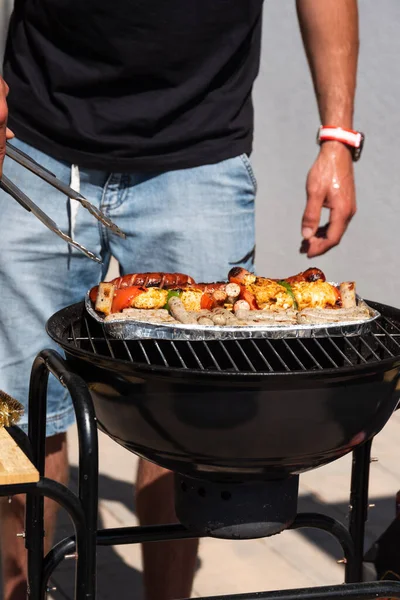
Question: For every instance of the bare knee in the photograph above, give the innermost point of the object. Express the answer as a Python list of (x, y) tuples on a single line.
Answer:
[(57, 458), (55, 443), (149, 473)]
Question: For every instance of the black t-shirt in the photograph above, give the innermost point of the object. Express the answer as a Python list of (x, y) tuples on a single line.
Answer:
[(124, 85)]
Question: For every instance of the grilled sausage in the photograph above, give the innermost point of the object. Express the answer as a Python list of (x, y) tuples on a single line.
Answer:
[(161, 280), (219, 297), (179, 312), (205, 321), (219, 319), (209, 288), (241, 276), (348, 294), (287, 316), (233, 291), (310, 275), (229, 317), (331, 315), (154, 316), (241, 305)]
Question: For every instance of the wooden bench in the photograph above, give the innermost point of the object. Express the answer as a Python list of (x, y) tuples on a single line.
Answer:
[(15, 466)]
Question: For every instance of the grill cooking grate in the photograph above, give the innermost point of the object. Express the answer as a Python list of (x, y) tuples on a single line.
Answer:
[(244, 356)]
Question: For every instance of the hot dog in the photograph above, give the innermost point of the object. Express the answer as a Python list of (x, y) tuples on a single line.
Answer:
[(348, 294), (208, 288), (161, 280), (242, 276), (310, 275)]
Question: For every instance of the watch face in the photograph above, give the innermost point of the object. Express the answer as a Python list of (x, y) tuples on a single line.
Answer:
[(357, 151)]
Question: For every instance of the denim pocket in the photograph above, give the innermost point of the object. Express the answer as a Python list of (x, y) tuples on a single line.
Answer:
[(249, 169)]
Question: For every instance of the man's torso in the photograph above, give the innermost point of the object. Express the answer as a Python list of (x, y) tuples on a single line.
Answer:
[(132, 84)]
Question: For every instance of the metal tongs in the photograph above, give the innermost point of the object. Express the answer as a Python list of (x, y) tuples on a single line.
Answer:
[(30, 164)]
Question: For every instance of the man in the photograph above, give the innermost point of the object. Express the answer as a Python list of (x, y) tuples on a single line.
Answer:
[(145, 106)]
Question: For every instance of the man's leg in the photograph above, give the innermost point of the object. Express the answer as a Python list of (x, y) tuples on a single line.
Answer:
[(13, 522), (39, 274), (200, 222), (172, 578)]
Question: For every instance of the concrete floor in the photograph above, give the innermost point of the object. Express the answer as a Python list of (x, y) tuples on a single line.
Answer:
[(292, 559)]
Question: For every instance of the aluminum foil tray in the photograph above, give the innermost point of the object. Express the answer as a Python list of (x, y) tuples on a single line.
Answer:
[(128, 329)]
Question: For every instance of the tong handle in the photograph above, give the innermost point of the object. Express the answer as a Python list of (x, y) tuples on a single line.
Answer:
[(26, 161), (11, 189), (23, 159)]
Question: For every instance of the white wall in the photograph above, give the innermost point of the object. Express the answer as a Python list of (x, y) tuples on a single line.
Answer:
[(286, 124)]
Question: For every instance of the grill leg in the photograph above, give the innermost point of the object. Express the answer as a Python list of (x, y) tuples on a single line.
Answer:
[(88, 469), (71, 503), (336, 529), (50, 361), (34, 523), (65, 498), (359, 508)]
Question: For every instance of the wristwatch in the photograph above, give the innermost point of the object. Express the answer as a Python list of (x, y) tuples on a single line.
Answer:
[(353, 139)]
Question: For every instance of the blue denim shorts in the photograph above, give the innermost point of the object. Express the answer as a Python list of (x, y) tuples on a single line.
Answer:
[(197, 221)]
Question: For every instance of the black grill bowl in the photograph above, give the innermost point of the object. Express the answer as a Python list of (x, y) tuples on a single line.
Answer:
[(232, 411)]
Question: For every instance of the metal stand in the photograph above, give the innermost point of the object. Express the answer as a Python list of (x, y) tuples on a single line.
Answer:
[(83, 508), (359, 505), (85, 517)]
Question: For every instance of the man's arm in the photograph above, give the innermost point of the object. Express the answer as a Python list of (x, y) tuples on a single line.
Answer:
[(5, 134), (330, 34)]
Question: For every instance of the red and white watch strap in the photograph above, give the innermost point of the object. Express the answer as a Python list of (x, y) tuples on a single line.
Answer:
[(347, 136), (353, 139)]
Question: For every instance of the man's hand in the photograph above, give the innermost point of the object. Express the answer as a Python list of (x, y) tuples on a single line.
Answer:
[(5, 133), (330, 184)]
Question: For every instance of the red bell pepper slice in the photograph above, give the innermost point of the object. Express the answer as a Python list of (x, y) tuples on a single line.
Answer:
[(206, 302), (124, 296), (93, 293)]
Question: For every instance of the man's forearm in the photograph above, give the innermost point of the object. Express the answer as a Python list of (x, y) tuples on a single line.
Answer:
[(330, 34)]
